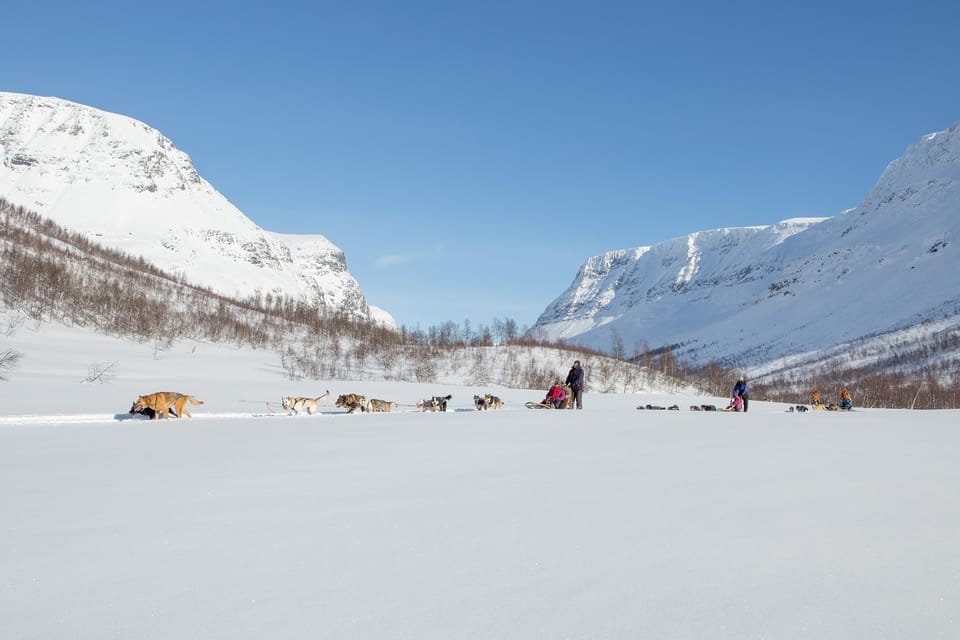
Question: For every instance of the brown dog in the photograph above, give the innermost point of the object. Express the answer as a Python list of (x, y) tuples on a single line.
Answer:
[(352, 402), (162, 402)]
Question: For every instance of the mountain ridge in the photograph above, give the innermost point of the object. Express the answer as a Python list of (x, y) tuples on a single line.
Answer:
[(748, 296), (126, 185)]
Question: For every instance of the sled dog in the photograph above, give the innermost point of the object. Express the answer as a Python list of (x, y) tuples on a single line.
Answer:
[(436, 403), (298, 404), (381, 405), (352, 402), (493, 402), (162, 402)]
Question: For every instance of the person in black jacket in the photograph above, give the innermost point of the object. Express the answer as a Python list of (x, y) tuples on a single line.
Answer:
[(575, 380)]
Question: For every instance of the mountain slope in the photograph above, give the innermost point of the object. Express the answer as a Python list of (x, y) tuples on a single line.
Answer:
[(127, 186), (749, 296)]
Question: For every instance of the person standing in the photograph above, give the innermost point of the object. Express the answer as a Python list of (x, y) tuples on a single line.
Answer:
[(575, 380), (740, 390)]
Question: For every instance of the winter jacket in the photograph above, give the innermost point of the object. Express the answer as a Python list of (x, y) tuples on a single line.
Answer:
[(575, 378)]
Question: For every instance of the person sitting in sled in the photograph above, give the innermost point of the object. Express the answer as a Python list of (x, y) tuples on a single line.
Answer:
[(846, 400), (736, 404), (556, 397)]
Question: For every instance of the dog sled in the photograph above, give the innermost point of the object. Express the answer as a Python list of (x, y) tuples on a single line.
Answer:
[(556, 398), (538, 405)]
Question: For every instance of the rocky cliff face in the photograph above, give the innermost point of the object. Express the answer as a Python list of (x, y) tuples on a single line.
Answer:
[(750, 295), (128, 187)]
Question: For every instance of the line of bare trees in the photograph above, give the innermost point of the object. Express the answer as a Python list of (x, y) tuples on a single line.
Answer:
[(50, 273), (919, 388)]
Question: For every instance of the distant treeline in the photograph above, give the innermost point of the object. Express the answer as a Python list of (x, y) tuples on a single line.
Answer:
[(50, 273)]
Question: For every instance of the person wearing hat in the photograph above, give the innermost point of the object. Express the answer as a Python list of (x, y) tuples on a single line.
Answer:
[(575, 380), (555, 397), (740, 390)]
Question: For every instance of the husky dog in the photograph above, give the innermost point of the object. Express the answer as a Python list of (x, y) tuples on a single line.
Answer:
[(353, 401), (298, 404), (162, 402), (436, 403), (381, 405), (441, 401), (480, 403), (427, 404), (493, 402)]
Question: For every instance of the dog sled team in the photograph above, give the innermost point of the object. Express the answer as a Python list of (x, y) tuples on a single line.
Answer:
[(568, 395), (163, 404)]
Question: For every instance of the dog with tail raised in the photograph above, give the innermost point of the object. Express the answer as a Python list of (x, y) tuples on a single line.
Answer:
[(299, 404), (160, 404)]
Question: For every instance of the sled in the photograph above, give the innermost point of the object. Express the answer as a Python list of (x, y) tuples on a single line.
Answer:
[(537, 405)]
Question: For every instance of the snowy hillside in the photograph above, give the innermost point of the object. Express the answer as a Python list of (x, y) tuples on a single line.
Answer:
[(125, 185), (749, 296)]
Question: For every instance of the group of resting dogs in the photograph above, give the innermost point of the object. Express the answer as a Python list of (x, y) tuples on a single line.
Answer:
[(165, 403)]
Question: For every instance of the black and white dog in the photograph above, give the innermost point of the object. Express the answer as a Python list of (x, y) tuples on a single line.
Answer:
[(436, 403)]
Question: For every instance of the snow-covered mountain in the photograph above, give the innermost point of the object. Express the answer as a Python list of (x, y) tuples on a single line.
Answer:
[(126, 186), (747, 296)]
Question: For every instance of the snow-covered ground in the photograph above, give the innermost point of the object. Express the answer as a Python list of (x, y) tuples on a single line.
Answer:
[(245, 522)]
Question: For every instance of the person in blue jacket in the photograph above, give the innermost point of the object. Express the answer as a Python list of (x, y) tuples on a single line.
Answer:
[(740, 389)]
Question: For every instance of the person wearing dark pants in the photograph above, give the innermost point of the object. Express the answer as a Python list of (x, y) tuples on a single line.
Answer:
[(740, 389), (575, 380)]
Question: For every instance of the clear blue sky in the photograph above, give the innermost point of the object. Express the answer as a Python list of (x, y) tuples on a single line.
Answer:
[(468, 157)]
